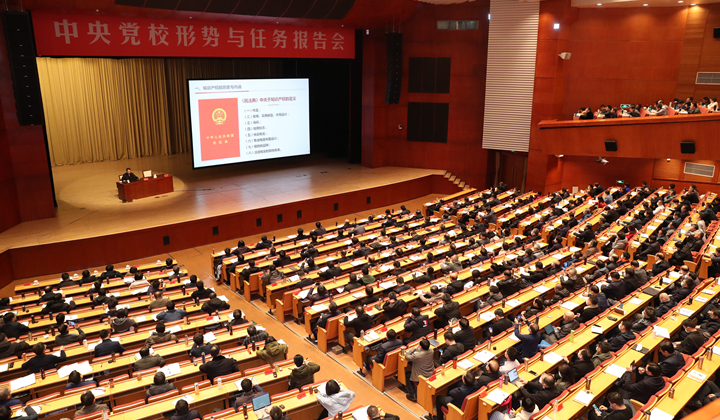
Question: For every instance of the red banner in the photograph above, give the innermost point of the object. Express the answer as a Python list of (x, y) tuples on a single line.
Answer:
[(114, 36), (219, 128)]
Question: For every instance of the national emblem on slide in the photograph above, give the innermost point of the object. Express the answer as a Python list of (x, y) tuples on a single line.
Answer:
[(219, 129)]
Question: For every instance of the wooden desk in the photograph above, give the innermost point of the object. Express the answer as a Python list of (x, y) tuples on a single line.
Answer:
[(145, 187), (40, 285)]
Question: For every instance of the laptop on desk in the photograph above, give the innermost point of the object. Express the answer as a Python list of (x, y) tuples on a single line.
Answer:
[(513, 376), (259, 403)]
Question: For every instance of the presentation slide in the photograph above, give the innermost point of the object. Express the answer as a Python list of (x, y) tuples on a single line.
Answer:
[(242, 120)]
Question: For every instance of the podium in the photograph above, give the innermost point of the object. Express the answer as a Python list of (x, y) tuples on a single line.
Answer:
[(145, 187)]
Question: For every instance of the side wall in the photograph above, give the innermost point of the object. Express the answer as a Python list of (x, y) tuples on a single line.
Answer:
[(383, 143)]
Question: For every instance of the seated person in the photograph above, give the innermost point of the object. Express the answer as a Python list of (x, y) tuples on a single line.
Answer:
[(43, 361), (183, 412), (6, 399), (219, 365), (527, 409), (6, 414), (160, 386), (617, 409), (541, 392), (106, 347), (334, 400), (215, 304), (255, 335), (391, 343), (650, 385), (249, 391), (148, 361), (273, 351), (172, 314), (160, 336), (457, 395), (64, 337), (199, 346), (87, 399), (128, 176), (303, 373), (11, 328), (122, 323), (75, 380)]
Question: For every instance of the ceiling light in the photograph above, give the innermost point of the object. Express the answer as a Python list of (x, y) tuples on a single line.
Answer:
[(681, 1), (556, 26), (599, 4), (645, 4)]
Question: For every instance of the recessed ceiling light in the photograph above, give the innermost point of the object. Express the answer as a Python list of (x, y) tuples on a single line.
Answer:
[(681, 1), (599, 4), (556, 26), (645, 4)]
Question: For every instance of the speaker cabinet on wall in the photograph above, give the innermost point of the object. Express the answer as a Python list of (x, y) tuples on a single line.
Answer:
[(716, 32), (610, 146), (23, 68), (394, 70), (687, 147)]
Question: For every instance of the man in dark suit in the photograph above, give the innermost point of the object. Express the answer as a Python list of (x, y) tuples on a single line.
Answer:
[(214, 304), (453, 349), (110, 273), (8, 349), (583, 365), (684, 291), (219, 365), (319, 230), (128, 176), (64, 337), (541, 392), (660, 264), (625, 335), (390, 344), (331, 272), (537, 275), (394, 307), (58, 305), (43, 361), (501, 324), (647, 387), (466, 334), (456, 396), (417, 325), (673, 360), (11, 328), (361, 322), (450, 310), (693, 340), (107, 346)]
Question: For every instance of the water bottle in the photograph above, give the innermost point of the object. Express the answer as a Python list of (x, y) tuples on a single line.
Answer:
[(203, 357), (219, 383), (187, 341), (42, 373), (671, 393), (111, 383), (85, 343), (197, 389)]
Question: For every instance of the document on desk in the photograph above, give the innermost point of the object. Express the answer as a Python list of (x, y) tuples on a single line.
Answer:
[(484, 356), (615, 370), (175, 329), (487, 316), (570, 305), (658, 414), (358, 295), (357, 262), (171, 370), (360, 413), (542, 289), (553, 358), (22, 382), (209, 337), (661, 332), (497, 395), (686, 312), (98, 392), (701, 299), (697, 376), (635, 301), (303, 294), (585, 398), (513, 303), (387, 285), (466, 364), (371, 336), (319, 308)]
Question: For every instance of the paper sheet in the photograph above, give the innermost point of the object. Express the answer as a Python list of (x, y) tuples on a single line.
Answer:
[(697, 376), (658, 414), (584, 398), (661, 332), (553, 358), (615, 370), (319, 308), (487, 316), (570, 305), (171, 370), (497, 395), (541, 289), (513, 303), (635, 301), (465, 364), (484, 356)]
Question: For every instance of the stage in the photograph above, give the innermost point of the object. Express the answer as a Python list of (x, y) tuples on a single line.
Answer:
[(208, 205)]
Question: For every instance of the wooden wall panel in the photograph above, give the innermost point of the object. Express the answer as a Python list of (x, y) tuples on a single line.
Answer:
[(581, 171), (697, 19), (78, 254), (667, 170), (383, 142)]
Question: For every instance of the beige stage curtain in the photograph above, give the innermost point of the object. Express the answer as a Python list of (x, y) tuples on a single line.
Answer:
[(99, 109)]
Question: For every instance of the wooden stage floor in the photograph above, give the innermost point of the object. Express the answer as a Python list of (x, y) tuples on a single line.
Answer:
[(88, 204)]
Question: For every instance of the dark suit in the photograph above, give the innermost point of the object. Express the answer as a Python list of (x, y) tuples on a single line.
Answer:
[(541, 396), (67, 338), (619, 340), (466, 336), (447, 312), (108, 347), (361, 323), (672, 364), (451, 352), (582, 368), (14, 329), (44, 362), (395, 309), (8, 349), (501, 325), (691, 343), (386, 348), (643, 390), (455, 396), (219, 366), (418, 327)]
